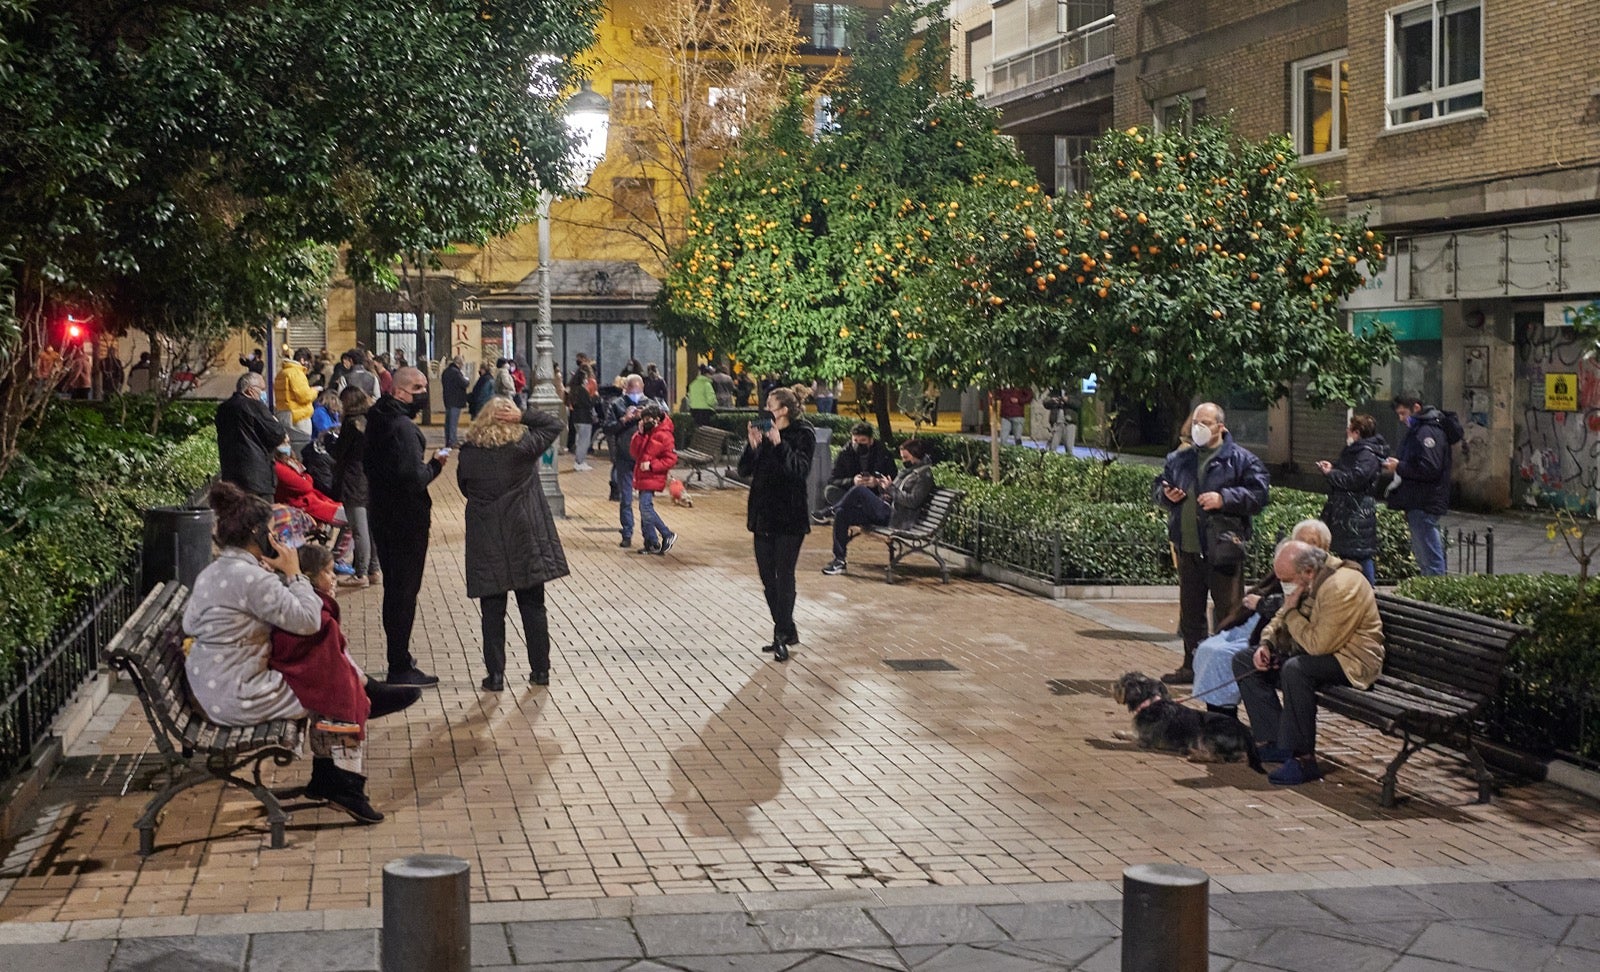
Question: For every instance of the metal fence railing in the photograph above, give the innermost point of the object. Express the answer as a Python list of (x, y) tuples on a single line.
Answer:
[(43, 680), (1052, 555)]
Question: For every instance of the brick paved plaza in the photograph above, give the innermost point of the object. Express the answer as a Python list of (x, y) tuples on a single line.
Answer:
[(669, 756)]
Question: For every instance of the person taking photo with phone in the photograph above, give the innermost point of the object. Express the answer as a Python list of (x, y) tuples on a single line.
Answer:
[(777, 462)]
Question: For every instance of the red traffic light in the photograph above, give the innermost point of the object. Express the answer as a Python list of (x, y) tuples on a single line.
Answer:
[(74, 331)]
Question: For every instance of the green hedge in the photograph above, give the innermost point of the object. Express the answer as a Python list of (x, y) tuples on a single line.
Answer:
[(71, 506), (1550, 701)]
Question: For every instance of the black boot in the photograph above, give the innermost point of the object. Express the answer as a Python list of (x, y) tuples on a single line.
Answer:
[(1185, 673), (324, 779), (351, 797)]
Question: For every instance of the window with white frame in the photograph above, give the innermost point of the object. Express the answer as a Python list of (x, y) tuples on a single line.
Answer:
[(1072, 172), (1435, 60), (631, 100), (1180, 110), (825, 121), (828, 26), (1321, 105)]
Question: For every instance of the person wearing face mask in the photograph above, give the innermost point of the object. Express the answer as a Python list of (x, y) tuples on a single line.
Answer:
[(622, 420), (1327, 633), (1421, 467), (401, 512), (1214, 681), (247, 437), (860, 463), (1210, 488), (1351, 512), (777, 462)]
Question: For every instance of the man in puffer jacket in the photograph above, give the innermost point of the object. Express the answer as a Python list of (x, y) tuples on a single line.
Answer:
[(1422, 471)]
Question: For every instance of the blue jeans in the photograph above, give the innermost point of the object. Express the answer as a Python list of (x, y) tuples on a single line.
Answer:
[(452, 420), (1369, 569), (1427, 545), (650, 522), (624, 477), (861, 506), (1213, 664)]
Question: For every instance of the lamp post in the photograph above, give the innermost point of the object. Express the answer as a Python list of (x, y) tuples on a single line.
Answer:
[(268, 366), (588, 117)]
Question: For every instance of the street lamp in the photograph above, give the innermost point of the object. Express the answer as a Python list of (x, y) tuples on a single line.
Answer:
[(269, 366), (588, 118)]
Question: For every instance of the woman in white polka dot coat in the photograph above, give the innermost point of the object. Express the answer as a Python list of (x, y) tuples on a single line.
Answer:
[(237, 600)]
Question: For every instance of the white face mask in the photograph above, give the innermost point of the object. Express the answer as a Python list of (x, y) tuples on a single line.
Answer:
[(1290, 588), (1200, 435)]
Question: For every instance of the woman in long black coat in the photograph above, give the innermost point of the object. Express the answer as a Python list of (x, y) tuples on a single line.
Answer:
[(1351, 511), (777, 460), (512, 543)]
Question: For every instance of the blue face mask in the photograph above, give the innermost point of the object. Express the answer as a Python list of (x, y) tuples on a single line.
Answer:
[(635, 397), (285, 449), (261, 396)]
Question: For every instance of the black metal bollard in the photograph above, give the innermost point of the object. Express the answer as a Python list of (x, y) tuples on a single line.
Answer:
[(1165, 926), (426, 916)]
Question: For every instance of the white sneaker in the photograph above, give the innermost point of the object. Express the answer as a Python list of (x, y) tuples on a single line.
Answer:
[(582, 467)]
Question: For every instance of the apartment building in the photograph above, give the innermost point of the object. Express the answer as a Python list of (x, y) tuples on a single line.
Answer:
[(1468, 130)]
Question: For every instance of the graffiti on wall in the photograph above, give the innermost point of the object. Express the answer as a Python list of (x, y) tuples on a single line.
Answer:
[(1557, 455)]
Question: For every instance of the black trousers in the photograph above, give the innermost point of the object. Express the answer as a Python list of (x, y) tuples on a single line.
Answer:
[(776, 556), (1293, 724), (535, 624), (1196, 580), (403, 551)]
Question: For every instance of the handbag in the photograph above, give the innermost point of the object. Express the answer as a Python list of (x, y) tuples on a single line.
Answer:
[(1225, 542)]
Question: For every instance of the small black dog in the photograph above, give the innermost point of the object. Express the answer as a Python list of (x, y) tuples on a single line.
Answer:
[(1160, 723)]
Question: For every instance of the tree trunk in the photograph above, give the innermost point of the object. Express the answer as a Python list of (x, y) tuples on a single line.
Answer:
[(880, 408), (994, 436), (1176, 404)]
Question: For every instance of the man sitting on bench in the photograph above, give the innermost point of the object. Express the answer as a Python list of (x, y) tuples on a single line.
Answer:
[(1326, 633), (882, 502), (864, 459)]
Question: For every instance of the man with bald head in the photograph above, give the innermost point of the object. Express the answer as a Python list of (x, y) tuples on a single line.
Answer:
[(401, 512), (1326, 633), (1211, 487)]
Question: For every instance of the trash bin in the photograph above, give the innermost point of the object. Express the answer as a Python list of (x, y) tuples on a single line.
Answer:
[(177, 544), (821, 465)]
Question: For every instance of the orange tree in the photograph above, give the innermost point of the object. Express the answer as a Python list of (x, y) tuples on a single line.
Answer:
[(804, 248), (1200, 264)]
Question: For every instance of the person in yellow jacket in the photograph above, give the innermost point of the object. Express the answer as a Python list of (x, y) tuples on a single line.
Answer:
[(1326, 633), (295, 398)]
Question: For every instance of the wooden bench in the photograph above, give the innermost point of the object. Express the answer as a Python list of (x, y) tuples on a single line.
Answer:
[(149, 648), (1440, 668), (919, 536), (704, 452)]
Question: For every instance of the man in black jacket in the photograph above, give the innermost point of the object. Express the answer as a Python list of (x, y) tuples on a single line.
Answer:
[(622, 419), (247, 434), (1210, 488), (1422, 466), (401, 512), (453, 381), (859, 463)]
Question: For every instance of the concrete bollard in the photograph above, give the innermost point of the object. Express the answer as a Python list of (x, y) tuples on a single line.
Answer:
[(1165, 921), (427, 923)]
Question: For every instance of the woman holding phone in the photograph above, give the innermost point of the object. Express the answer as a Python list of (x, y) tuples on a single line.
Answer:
[(777, 461)]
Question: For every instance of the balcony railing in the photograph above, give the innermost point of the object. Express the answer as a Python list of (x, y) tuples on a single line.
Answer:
[(1085, 45)]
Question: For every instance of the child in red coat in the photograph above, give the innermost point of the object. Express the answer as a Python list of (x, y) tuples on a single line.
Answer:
[(653, 455)]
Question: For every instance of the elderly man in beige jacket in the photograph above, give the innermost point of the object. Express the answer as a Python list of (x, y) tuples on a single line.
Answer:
[(1327, 633)]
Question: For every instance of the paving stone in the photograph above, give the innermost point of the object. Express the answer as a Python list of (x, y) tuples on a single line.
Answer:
[(752, 962), (1585, 932), (602, 965), (1270, 909), (1051, 920), (1375, 904), (1539, 928), (573, 940), (721, 933), (324, 951), (937, 925), (1295, 950), (834, 963), (207, 953), (964, 958), (1237, 944), (490, 945), (817, 928), (1414, 963), (1576, 897), (1564, 958), (91, 956), (1478, 949), (1063, 951), (1475, 900), (883, 958)]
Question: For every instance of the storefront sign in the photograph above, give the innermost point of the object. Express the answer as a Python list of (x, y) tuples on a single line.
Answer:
[(1405, 323), (1560, 392)]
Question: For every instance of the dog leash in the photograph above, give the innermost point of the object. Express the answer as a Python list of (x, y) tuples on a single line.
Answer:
[(1232, 681)]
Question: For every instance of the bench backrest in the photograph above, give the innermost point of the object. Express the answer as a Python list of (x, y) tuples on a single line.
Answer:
[(708, 439), (1443, 649), (149, 647), (937, 511)]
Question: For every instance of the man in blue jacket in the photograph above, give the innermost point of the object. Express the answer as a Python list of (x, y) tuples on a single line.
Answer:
[(1422, 467), (1210, 489)]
